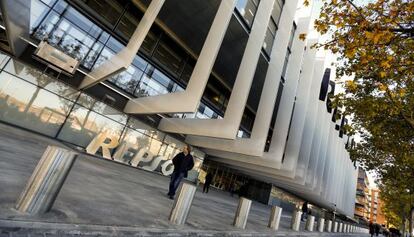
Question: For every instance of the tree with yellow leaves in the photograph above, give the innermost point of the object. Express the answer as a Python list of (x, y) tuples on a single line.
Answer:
[(375, 45)]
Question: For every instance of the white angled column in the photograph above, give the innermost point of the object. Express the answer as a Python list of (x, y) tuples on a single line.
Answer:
[(182, 204), (228, 126), (46, 181), (255, 144), (274, 219), (122, 60), (187, 101), (242, 213)]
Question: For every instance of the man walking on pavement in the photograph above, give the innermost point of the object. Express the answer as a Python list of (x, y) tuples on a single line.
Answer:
[(183, 162)]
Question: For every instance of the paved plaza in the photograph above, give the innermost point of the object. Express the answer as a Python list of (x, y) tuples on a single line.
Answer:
[(101, 197)]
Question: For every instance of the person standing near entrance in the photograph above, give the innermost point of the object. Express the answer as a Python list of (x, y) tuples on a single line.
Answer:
[(183, 162), (209, 178)]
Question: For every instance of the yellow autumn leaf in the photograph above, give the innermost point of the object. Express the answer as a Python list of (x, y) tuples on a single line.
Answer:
[(385, 64), (351, 86), (302, 36), (350, 53), (383, 74), (382, 87), (306, 2)]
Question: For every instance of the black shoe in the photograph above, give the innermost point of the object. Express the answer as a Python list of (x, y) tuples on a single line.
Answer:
[(171, 197)]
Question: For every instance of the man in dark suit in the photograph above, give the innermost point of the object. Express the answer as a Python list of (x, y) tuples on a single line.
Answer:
[(183, 162)]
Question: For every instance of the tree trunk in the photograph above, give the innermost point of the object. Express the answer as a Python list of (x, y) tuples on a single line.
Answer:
[(32, 99), (403, 226), (411, 222)]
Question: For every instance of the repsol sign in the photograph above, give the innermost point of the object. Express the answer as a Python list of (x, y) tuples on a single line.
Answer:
[(156, 156), (325, 94)]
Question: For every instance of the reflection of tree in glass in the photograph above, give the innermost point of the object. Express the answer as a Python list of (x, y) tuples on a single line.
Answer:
[(61, 40), (41, 80)]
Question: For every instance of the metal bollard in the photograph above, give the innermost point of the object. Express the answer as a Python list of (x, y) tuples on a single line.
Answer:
[(242, 213), (335, 227), (182, 203), (274, 219), (321, 224), (46, 181), (310, 223), (295, 225), (329, 226)]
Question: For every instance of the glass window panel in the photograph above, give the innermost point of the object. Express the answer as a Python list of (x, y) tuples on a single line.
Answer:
[(160, 78), (169, 57), (108, 9), (38, 10), (92, 55), (84, 124), (46, 27), (130, 145), (149, 42), (268, 42), (104, 56), (44, 81), (129, 21), (285, 65), (86, 101), (110, 112), (31, 107), (82, 22), (277, 11), (49, 2), (140, 63), (247, 9), (114, 45), (128, 80), (60, 6), (145, 129), (149, 87), (188, 70), (3, 60)]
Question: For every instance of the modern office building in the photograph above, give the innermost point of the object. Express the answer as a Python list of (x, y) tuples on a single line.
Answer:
[(135, 80)]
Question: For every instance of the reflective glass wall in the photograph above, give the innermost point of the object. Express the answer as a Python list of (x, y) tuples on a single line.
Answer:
[(92, 31), (33, 100)]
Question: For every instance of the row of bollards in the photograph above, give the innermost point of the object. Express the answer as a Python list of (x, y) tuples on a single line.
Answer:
[(56, 162), (183, 202)]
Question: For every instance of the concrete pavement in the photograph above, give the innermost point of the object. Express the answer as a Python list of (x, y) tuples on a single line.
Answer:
[(101, 197)]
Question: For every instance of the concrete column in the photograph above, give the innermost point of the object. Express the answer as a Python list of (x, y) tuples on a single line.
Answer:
[(295, 225), (310, 221), (182, 203), (46, 181), (187, 101), (335, 227), (274, 219), (242, 213), (329, 226), (16, 19), (121, 61), (321, 224), (340, 227), (228, 126)]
